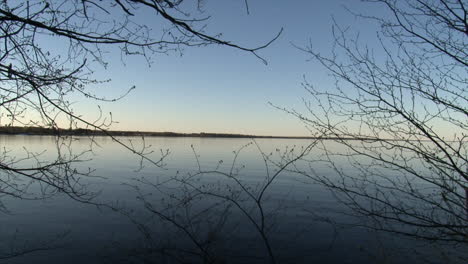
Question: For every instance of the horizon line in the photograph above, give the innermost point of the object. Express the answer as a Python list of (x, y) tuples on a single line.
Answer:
[(39, 130)]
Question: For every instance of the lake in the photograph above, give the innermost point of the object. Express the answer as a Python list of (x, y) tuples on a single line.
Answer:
[(150, 214)]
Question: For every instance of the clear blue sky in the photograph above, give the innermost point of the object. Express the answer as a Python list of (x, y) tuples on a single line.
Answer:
[(220, 89)]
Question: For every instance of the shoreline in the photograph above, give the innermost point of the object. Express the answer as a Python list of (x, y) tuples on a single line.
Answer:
[(41, 131)]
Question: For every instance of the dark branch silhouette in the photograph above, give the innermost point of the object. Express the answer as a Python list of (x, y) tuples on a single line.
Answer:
[(406, 99), (49, 51)]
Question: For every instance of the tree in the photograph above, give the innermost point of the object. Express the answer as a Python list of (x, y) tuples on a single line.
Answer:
[(37, 81), (399, 114), (198, 216)]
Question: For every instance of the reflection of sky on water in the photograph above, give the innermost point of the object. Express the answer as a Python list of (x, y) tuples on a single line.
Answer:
[(293, 204)]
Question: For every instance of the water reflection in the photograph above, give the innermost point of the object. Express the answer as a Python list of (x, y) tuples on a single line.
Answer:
[(209, 203)]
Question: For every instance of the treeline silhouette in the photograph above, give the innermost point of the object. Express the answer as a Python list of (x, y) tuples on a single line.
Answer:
[(44, 131), (31, 130)]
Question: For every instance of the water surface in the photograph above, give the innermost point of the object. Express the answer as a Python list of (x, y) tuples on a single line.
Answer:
[(296, 212)]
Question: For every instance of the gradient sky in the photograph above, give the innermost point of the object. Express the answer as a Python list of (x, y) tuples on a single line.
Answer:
[(224, 90)]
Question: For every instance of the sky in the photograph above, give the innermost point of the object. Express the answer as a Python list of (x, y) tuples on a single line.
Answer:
[(220, 89)]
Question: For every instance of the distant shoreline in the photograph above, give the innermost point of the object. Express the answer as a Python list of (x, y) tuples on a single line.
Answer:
[(42, 131)]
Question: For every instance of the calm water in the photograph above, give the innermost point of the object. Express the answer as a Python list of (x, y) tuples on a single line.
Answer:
[(294, 208)]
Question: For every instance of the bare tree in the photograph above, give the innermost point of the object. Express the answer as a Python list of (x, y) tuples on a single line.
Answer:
[(49, 51), (399, 114), (37, 81), (198, 217)]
